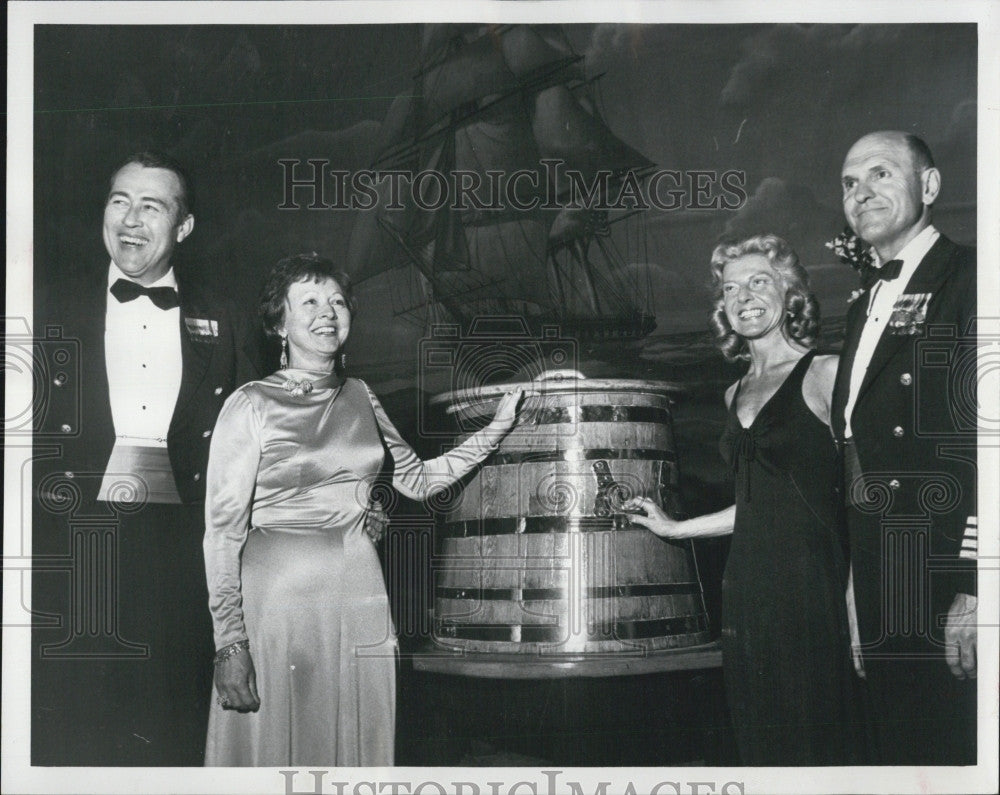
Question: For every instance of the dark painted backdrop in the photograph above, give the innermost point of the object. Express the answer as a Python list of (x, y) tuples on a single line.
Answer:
[(781, 103)]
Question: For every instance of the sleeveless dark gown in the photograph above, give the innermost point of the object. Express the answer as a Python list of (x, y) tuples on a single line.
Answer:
[(790, 683)]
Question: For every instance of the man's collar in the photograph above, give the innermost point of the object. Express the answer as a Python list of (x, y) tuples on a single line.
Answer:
[(916, 249), (912, 254), (115, 273)]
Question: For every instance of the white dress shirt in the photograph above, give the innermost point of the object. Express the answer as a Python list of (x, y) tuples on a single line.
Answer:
[(142, 348), (881, 299)]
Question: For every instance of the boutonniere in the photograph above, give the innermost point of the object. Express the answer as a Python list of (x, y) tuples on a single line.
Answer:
[(909, 314), (202, 329), (852, 250)]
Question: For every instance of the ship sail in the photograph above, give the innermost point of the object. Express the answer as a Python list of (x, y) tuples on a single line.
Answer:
[(504, 113)]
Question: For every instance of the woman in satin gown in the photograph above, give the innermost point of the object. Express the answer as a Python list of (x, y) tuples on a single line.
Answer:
[(787, 610), (306, 649)]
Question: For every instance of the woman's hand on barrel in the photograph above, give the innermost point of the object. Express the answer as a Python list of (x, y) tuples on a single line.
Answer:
[(646, 513), (506, 414), (236, 683)]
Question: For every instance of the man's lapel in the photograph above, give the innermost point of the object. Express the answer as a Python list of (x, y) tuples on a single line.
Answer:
[(928, 278), (88, 312), (842, 385), (199, 332)]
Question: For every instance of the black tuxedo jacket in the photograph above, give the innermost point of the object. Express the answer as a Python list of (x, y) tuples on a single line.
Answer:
[(914, 422), (107, 583), (74, 421)]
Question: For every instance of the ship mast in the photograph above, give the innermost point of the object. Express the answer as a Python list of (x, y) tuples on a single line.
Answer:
[(491, 100)]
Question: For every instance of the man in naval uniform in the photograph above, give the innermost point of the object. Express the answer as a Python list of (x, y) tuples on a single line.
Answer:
[(122, 645), (904, 416)]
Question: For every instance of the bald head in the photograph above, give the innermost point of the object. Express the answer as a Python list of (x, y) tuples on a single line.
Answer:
[(889, 184), (920, 153)]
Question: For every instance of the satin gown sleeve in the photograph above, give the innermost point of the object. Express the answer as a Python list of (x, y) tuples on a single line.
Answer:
[(233, 461), (417, 479)]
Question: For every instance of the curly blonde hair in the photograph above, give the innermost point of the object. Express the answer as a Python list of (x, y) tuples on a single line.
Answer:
[(801, 307)]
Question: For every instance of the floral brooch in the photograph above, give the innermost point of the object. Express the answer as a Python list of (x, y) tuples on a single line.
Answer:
[(853, 251)]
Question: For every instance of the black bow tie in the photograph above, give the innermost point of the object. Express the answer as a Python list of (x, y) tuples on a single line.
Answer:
[(163, 297), (889, 271)]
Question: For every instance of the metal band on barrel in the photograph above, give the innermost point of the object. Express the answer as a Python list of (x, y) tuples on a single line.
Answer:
[(582, 454), (548, 633), (552, 594), (556, 415), (471, 528)]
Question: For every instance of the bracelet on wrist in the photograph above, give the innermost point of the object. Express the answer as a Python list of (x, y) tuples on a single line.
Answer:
[(231, 650)]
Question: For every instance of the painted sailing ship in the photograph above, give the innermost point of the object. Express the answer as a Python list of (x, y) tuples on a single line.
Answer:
[(493, 108)]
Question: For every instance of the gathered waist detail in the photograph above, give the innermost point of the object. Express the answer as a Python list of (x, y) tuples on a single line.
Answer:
[(290, 526)]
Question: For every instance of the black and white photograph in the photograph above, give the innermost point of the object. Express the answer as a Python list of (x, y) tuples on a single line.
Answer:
[(493, 398)]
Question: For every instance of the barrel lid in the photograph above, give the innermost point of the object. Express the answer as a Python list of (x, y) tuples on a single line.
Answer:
[(559, 382)]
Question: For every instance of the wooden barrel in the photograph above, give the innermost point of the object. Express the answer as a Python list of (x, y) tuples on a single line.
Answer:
[(535, 554)]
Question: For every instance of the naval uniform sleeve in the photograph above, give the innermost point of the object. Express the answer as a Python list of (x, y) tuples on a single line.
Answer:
[(962, 542)]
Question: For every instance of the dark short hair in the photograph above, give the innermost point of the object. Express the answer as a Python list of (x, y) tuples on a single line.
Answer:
[(153, 159), (801, 321), (298, 268)]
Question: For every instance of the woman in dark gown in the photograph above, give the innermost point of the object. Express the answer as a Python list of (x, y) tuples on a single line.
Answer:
[(786, 634)]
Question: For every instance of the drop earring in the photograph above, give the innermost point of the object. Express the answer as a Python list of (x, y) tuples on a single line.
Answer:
[(283, 361), (343, 361)]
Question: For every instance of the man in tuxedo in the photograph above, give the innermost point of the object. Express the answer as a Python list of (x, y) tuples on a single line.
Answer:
[(904, 417), (122, 642)]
